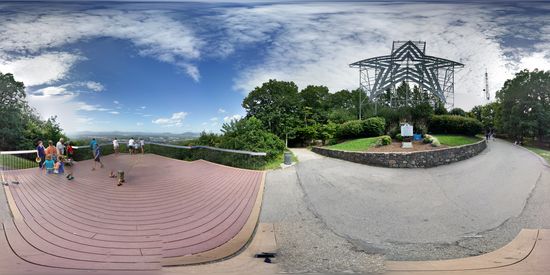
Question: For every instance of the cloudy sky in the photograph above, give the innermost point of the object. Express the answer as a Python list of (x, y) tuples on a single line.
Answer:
[(180, 66)]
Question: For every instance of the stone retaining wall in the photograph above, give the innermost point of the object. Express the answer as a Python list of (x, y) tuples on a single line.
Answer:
[(421, 159)]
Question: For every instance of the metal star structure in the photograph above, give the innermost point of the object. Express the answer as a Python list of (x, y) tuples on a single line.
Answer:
[(408, 62)]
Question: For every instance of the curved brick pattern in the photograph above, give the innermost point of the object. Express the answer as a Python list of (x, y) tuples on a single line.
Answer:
[(422, 159), (166, 209)]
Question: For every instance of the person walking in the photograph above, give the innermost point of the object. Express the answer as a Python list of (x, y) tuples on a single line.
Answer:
[(93, 145), (131, 145), (115, 145), (97, 154), (487, 135), (142, 145), (41, 153)]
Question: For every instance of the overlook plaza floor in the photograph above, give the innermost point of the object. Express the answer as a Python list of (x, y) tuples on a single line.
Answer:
[(168, 212)]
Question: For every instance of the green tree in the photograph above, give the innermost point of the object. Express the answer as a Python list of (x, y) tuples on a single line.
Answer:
[(457, 112), (525, 105), (12, 116), (315, 104), (249, 134), (277, 105)]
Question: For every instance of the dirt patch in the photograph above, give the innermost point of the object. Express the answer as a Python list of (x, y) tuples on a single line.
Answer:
[(396, 147)]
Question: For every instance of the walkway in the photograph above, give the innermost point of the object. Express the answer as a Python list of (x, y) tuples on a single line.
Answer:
[(169, 212), (457, 210)]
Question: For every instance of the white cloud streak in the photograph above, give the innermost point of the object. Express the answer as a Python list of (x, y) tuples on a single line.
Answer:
[(175, 120)]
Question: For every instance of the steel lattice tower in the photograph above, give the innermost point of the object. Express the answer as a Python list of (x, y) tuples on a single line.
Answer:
[(408, 62)]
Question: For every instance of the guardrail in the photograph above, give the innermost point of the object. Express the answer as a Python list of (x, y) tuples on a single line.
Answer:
[(10, 160)]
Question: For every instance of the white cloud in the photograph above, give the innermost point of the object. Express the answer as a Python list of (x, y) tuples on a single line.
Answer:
[(314, 43), (114, 112), (40, 69), (139, 123), (214, 119), (143, 107), (52, 91), (116, 102), (90, 108), (221, 111), (94, 86), (175, 120), (34, 32), (231, 118)]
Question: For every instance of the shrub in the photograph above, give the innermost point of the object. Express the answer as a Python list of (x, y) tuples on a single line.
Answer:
[(350, 129), (248, 134), (427, 139), (457, 112), (399, 137), (374, 126), (452, 124), (435, 142), (383, 141)]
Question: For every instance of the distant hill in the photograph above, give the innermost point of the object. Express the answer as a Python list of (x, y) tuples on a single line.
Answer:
[(147, 136)]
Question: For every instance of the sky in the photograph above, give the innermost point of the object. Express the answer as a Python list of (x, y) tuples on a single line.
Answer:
[(186, 66)]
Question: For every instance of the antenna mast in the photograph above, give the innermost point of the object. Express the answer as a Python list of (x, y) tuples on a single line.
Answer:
[(486, 90)]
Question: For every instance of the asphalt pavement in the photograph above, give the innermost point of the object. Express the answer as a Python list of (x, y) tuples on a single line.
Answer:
[(456, 210)]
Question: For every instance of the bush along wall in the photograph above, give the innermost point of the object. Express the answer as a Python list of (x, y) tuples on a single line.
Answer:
[(370, 127), (452, 124)]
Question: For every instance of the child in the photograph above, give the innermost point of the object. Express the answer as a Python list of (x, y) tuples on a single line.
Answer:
[(56, 167), (61, 165), (70, 152), (49, 164), (97, 153)]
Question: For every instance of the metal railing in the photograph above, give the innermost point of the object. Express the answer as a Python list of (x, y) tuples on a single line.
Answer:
[(10, 160)]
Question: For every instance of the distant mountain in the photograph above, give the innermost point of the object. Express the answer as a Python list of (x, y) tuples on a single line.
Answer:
[(107, 136)]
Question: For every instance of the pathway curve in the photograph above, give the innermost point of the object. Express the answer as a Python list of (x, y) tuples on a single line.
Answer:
[(443, 212)]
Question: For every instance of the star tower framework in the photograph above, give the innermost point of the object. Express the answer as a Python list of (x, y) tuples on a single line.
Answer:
[(407, 62)]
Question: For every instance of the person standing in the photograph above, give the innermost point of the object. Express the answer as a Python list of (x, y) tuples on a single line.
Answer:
[(51, 150), (70, 152), (131, 145), (142, 145), (93, 145), (41, 153), (115, 145), (60, 147)]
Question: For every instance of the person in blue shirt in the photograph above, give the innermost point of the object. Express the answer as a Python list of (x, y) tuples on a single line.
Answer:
[(41, 153), (49, 164), (93, 145), (97, 154)]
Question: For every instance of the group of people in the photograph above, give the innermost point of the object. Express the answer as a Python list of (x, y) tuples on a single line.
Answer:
[(53, 158), (489, 134), (134, 146)]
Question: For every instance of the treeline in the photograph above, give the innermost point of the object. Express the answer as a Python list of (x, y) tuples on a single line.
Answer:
[(521, 111), (20, 126)]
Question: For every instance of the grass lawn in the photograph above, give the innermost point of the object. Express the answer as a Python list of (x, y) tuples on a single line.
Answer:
[(276, 162), (541, 152), (362, 144), (14, 162), (456, 140)]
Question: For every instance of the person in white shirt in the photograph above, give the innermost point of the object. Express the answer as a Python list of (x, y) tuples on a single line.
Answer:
[(115, 145), (131, 145), (142, 143), (60, 147)]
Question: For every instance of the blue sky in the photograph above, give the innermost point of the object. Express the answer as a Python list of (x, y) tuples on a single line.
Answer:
[(177, 67)]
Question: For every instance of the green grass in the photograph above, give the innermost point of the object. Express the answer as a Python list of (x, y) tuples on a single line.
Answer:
[(361, 144), (541, 152), (456, 140), (276, 162), (15, 162)]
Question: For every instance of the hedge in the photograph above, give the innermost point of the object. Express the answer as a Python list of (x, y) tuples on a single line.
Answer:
[(370, 127), (452, 124)]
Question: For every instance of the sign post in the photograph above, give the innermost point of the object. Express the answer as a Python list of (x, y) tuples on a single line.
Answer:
[(407, 133)]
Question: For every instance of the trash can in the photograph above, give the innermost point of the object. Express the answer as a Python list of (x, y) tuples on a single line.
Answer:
[(288, 158)]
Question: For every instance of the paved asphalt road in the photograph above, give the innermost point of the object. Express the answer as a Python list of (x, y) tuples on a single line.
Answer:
[(462, 209)]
